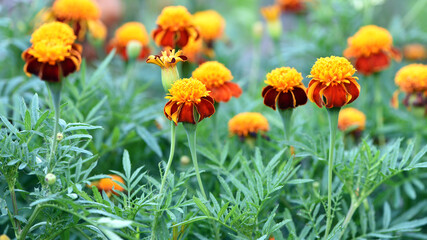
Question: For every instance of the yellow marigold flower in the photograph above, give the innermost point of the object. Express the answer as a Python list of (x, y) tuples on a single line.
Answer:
[(351, 117), (53, 54), (174, 27), (411, 79), (193, 50), (248, 123), (372, 49), (271, 13), (216, 78), (332, 78), (285, 89), (211, 24), (415, 52), (131, 31), (185, 96)]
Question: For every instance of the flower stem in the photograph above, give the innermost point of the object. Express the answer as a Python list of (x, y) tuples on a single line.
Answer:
[(27, 227), (172, 151), (353, 207), (55, 89), (333, 124), (286, 116), (379, 110), (191, 135)]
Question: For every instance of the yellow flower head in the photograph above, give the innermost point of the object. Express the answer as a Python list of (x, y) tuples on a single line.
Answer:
[(369, 40), (212, 74), (187, 90), (174, 17), (131, 31), (247, 123), (332, 70), (76, 10), (168, 59), (412, 78), (97, 29), (284, 79), (54, 30), (350, 117), (271, 13), (415, 52), (211, 24)]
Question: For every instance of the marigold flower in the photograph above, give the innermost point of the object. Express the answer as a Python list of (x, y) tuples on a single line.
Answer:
[(185, 96), (193, 50), (271, 13), (217, 79), (295, 6), (131, 31), (351, 117), (332, 78), (371, 49), (107, 184), (415, 52), (77, 13), (174, 27), (248, 124), (168, 59), (210, 23), (285, 89), (53, 54), (411, 79), (97, 29)]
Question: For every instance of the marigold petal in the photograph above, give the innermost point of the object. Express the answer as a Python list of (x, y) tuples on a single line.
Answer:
[(270, 98), (235, 89), (221, 93), (335, 95), (205, 108), (285, 100), (353, 88), (314, 92), (300, 96), (187, 113), (265, 90), (183, 36)]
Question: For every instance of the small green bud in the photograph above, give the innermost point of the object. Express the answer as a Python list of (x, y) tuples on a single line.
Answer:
[(257, 30), (59, 136), (185, 160), (169, 76), (133, 49), (275, 29), (50, 178)]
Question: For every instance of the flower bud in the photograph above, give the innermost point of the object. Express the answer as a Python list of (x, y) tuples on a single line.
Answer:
[(274, 29), (50, 178), (257, 30), (185, 160), (169, 76), (133, 49), (59, 136)]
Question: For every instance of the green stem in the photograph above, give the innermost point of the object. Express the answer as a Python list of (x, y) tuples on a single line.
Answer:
[(55, 89), (353, 207), (30, 222), (191, 135), (379, 110), (172, 151), (286, 116), (15, 206), (333, 124)]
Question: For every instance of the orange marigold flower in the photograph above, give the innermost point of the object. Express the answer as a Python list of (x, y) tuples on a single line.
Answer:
[(285, 89), (271, 13), (411, 79), (351, 117), (415, 52), (53, 54), (107, 184), (193, 50), (210, 23), (332, 78), (168, 59), (295, 6), (131, 31), (185, 96), (174, 27), (371, 49), (217, 79), (248, 124)]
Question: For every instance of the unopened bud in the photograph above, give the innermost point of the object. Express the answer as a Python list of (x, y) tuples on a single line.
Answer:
[(59, 136), (274, 29), (185, 160), (316, 185), (133, 49), (169, 76), (50, 178)]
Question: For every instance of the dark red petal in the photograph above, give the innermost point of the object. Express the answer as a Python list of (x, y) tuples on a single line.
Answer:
[(265, 90), (374, 63), (156, 32), (210, 99), (235, 89), (353, 89), (183, 36), (336, 96), (168, 39), (205, 109), (187, 113), (270, 98), (32, 66), (314, 92), (220, 93), (300, 96), (68, 66), (285, 100), (49, 73)]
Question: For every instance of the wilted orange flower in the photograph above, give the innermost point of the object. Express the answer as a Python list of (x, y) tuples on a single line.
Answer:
[(185, 96), (271, 13), (174, 27), (193, 50), (285, 89), (248, 124), (351, 117), (332, 78), (168, 59), (415, 52), (210, 23), (131, 31), (371, 49), (217, 79), (53, 53), (411, 79), (295, 6), (77, 13)]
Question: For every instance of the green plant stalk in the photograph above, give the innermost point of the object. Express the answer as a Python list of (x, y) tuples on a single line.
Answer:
[(379, 109), (333, 125), (353, 207), (191, 135), (30, 222), (286, 116), (17, 224), (55, 89)]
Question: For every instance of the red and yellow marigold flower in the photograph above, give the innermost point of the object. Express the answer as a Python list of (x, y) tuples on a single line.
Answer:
[(108, 184), (351, 117), (53, 53), (131, 31), (332, 83), (411, 79), (189, 101), (295, 6), (371, 49), (217, 79), (414, 52), (77, 13), (210, 23), (175, 26), (248, 124), (285, 89)]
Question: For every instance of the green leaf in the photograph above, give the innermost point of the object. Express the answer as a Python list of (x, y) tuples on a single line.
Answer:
[(126, 164), (407, 154), (201, 206), (149, 140)]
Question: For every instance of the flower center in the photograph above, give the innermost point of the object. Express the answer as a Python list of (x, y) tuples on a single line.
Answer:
[(212, 74), (332, 70), (187, 90), (50, 50), (54, 30), (284, 79), (76, 10), (174, 17), (131, 31)]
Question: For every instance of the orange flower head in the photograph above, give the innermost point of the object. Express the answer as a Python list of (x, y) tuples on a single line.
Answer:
[(285, 89), (351, 117), (131, 31), (412, 78), (185, 96), (217, 79), (271, 13), (53, 54), (372, 49), (210, 23), (76, 10), (295, 6), (107, 184), (333, 83), (415, 52), (193, 50), (174, 27), (168, 59), (248, 124)]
